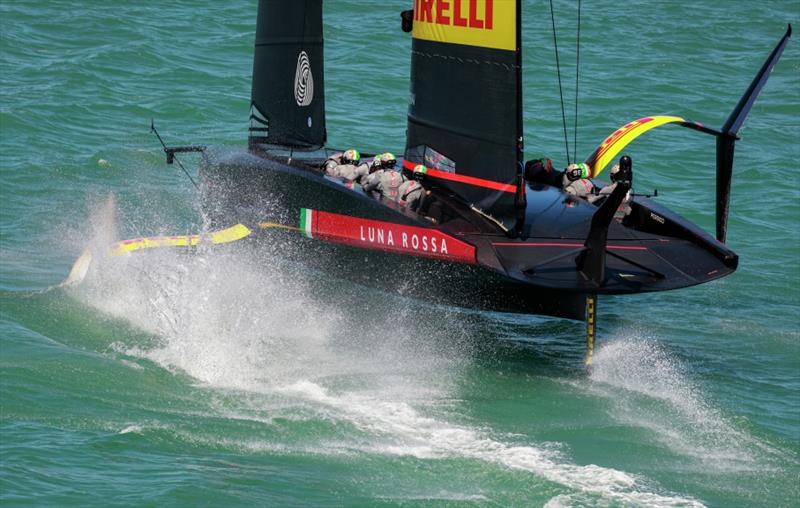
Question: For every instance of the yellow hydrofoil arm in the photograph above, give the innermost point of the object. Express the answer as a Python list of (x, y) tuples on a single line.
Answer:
[(226, 235), (232, 234), (81, 266)]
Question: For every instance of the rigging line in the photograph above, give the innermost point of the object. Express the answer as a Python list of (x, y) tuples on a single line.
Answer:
[(560, 92), (577, 74)]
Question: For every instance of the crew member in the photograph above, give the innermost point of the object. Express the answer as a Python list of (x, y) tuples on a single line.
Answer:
[(383, 177), (344, 165), (622, 172), (576, 181), (374, 165), (387, 161), (411, 191), (541, 171)]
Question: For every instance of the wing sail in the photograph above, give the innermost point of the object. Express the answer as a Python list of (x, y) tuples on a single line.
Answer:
[(465, 101), (288, 96)]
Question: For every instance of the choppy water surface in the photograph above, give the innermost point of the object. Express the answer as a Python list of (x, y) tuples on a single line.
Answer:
[(233, 377)]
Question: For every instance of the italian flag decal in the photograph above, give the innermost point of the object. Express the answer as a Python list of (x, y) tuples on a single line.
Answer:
[(306, 217), (384, 236)]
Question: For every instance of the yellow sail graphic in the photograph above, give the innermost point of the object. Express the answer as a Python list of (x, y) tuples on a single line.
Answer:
[(484, 23), (620, 138)]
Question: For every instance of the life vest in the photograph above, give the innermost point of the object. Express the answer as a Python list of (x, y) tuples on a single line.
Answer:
[(390, 184)]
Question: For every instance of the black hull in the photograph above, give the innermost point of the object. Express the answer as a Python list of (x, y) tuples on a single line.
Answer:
[(536, 272), (248, 189)]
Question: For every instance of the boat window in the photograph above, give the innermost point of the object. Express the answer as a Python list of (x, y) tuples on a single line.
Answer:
[(422, 154)]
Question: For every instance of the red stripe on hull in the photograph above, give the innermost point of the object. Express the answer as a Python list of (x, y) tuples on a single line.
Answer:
[(390, 237), (574, 245)]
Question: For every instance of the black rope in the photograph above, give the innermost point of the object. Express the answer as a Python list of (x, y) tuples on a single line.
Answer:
[(560, 92), (577, 74)]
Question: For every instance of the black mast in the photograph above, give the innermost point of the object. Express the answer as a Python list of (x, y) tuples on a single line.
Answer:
[(520, 202), (520, 133)]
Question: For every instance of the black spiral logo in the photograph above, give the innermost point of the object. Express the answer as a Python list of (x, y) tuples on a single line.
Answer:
[(303, 81)]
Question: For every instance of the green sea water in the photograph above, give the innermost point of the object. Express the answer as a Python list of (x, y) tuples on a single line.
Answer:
[(230, 378)]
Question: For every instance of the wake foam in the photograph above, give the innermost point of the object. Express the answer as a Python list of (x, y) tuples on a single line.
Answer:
[(649, 388), (406, 432)]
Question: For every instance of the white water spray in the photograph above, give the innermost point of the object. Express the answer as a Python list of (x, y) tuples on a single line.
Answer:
[(306, 348), (648, 388)]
